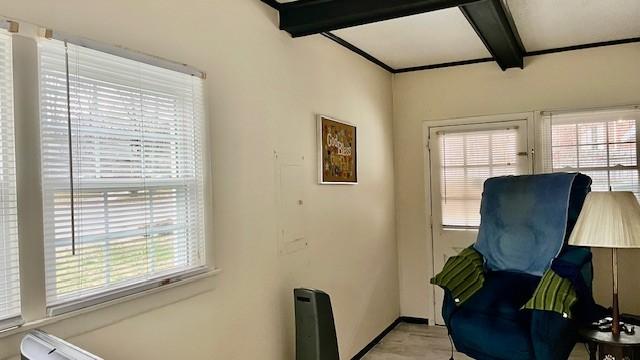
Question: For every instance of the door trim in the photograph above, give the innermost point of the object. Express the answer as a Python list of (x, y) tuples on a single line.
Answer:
[(427, 125)]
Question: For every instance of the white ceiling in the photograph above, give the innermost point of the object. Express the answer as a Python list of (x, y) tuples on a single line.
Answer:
[(429, 38), (547, 24), (446, 36)]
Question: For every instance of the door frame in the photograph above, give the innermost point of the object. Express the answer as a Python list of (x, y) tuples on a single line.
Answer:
[(427, 125)]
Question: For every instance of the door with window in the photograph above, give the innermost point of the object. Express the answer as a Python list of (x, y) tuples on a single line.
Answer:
[(462, 157)]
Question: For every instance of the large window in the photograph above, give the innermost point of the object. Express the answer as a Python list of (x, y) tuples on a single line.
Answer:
[(9, 271), (122, 168), (601, 144)]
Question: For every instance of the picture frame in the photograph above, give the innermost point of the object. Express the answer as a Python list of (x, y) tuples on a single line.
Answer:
[(337, 151)]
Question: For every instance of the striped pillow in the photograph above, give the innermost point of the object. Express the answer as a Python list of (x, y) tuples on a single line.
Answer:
[(462, 275), (554, 293)]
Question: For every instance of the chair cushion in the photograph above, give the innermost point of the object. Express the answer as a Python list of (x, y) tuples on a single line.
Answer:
[(503, 294), (490, 325)]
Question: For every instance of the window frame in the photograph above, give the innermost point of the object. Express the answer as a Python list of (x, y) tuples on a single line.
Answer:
[(545, 140), (52, 51), (121, 304)]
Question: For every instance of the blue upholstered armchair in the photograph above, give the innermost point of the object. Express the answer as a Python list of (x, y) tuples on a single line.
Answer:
[(525, 292)]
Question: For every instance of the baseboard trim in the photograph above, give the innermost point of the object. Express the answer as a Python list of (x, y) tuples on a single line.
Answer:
[(376, 340), (414, 320)]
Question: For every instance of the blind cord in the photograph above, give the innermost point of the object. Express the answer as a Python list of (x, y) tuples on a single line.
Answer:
[(72, 200)]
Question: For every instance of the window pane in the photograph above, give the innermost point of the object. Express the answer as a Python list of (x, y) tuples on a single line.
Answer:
[(454, 149), (477, 149), (625, 180), (467, 160), (592, 156), (124, 206), (592, 133), (461, 213), (600, 180), (565, 156), (565, 135), (622, 154), (502, 149), (622, 131)]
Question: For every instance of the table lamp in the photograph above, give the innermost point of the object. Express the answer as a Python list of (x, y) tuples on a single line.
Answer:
[(609, 220)]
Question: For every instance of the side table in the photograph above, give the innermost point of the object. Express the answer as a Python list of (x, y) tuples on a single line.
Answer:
[(608, 347)]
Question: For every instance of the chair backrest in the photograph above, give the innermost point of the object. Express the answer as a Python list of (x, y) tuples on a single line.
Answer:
[(525, 220)]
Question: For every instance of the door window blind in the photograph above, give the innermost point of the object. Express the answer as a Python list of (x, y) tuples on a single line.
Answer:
[(9, 271), (467, 159), (601, 144), (122, 167)]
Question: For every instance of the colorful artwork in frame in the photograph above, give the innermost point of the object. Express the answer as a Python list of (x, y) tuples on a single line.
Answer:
[(337, 150)]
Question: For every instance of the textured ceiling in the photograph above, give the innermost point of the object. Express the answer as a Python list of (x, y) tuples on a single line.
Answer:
[(446, 36), (429, 38), (547, 24)]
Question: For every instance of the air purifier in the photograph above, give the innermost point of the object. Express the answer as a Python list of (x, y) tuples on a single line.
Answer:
[(315, 328)]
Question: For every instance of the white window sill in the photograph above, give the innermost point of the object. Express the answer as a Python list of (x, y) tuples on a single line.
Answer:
[(101, 297), (136, 305)]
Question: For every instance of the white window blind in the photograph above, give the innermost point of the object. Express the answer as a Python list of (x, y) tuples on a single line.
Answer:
[(467, 159), (122, 167), (9, 270), (601, 144)]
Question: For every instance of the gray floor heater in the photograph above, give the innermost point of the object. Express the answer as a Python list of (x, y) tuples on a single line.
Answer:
[(315, 329)]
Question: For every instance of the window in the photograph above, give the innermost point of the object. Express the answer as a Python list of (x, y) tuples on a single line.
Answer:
[(9, 270), (601, 144), (122, 168), (467, 159)]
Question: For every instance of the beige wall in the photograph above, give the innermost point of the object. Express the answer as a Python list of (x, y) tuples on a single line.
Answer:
[(579, 79), (264, 89)]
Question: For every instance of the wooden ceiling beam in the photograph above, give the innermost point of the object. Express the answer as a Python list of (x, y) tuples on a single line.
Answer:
[(494, 25)]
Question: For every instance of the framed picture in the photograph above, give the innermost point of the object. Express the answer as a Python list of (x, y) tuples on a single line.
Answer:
[(337, 152)]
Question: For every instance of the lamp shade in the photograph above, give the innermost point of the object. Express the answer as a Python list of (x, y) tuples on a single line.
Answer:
[(608, 219)]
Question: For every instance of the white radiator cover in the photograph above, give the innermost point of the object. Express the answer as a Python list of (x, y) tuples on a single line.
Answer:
[(38, 345)]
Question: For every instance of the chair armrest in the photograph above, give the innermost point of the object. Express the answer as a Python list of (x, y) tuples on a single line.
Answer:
[(552, 336), (553, 325), (574, 264), (571, 261)]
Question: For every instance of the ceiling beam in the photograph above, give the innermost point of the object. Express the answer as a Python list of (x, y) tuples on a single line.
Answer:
[(494, 25), (308, 17), (273, 3)]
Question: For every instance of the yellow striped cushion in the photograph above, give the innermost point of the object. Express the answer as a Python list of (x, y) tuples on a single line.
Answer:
[(554, 293), (462, 275)]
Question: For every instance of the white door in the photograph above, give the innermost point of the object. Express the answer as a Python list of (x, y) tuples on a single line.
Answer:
[(462, 157)]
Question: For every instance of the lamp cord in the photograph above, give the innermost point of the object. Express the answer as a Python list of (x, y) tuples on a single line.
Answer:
[(451, 342)]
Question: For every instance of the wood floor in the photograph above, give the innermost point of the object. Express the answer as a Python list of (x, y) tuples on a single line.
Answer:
[(421, 342)]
